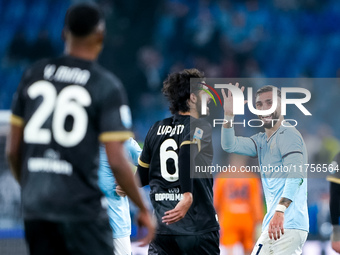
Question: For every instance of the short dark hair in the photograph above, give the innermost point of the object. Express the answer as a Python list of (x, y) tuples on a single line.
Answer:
[(177, 88), (267, 88), (82, 19)]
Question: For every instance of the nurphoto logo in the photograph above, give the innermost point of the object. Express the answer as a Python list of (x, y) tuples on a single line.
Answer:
[(238, 100)]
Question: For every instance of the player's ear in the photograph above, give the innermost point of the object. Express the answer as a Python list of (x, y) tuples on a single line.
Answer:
[(193, 98), (100, 37), (100, 32)]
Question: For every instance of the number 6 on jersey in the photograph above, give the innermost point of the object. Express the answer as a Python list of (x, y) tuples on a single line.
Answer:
[(165, 155)]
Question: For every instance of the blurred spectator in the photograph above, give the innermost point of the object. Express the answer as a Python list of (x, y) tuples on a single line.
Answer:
[(42, 47), (252, 69), (330, 146), (18, 50), (150, 62), (230, 68)]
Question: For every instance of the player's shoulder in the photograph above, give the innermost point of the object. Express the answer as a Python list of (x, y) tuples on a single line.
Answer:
[(164, 122), (200, 123), (103, 85), (258, 137), (288, 133), (106, 77), (156, 132), (41, 63), (37, 67), (200, 129), (106, 74)]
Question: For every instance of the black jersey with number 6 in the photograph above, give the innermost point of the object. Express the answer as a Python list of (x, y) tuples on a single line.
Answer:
[(66, 105), (160, 156)]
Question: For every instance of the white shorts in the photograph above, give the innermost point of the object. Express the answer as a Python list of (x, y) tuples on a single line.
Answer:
[(233, 249), (122, 246), (289, 244)]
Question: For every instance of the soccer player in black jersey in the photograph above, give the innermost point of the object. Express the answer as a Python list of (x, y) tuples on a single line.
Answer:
[(335, 203), (62, 109), (183, 206)]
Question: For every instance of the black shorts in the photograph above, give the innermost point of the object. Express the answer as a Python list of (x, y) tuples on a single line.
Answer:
[(204, 244), (56, 238)]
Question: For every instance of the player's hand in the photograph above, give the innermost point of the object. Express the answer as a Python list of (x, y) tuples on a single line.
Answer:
[(276, 226), (144, 220), (120, 191), (336, 246), (179, 211), (228, 101)]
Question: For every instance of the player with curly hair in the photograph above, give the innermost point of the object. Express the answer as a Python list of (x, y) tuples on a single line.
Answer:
[(183, 206)]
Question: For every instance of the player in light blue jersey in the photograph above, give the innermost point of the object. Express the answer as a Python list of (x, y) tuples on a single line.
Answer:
[(282, 156), (118, 206)]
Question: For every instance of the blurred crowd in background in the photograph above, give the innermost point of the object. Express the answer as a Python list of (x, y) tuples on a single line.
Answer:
[(146, 40)]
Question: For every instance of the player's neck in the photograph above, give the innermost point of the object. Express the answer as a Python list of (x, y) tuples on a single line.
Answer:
[(271, 131), (183, 113), (83, 51), (192, 113)]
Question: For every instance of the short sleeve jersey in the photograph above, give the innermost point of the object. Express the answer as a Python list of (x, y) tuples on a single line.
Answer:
[(160, 156), (66, 106), (272, 152)]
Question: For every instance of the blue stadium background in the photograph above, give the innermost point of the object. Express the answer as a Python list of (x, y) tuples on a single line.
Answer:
[(148, 39)]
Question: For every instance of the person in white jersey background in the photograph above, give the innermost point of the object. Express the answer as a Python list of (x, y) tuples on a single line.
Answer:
[(282, 148)]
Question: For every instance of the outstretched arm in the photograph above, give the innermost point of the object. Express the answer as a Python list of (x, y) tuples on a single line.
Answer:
[(237, 144), (229, 142)]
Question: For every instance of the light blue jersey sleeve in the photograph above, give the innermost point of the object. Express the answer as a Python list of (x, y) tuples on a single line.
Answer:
[(237, 144), (293, 181), (292, 151), (118, 207), (133, 150), (106, 179), (291, 143)]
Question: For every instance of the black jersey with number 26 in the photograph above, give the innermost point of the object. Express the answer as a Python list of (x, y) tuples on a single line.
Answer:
[(160, 155), (66, 105)]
